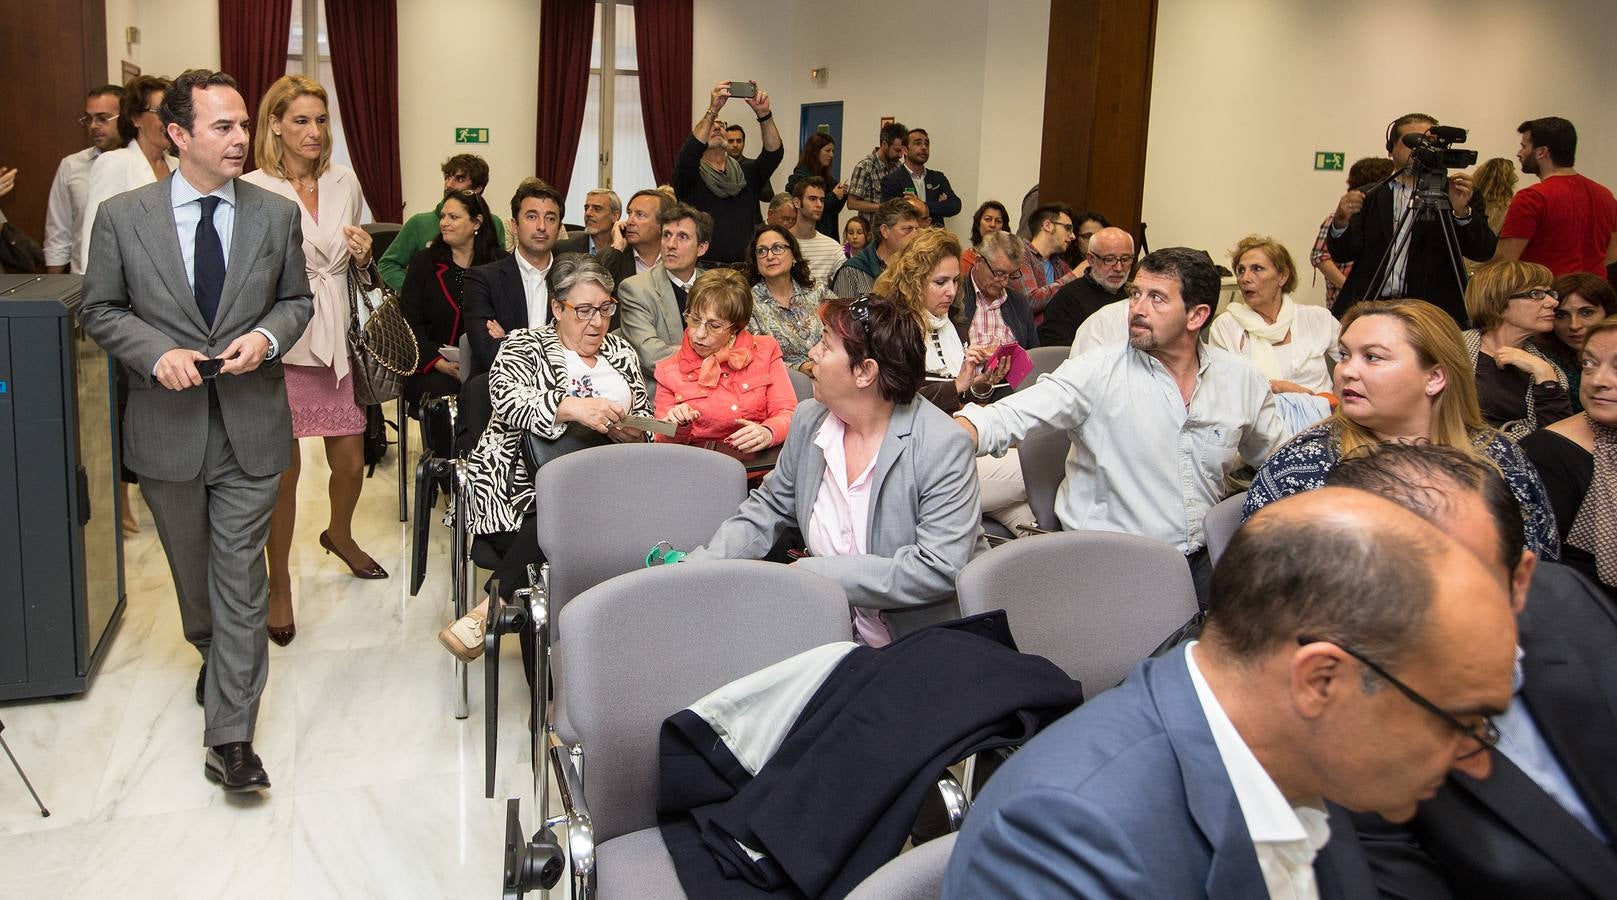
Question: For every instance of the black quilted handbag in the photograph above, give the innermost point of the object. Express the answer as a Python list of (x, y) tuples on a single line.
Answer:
[(382, 350)]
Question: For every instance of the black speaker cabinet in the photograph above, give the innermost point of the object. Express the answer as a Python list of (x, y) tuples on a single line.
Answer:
[(61, 550)]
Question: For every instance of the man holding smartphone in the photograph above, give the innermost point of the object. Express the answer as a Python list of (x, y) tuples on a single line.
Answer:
[(707, 177)]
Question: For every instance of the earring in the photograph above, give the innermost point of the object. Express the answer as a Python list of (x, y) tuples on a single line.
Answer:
[(277, 134)]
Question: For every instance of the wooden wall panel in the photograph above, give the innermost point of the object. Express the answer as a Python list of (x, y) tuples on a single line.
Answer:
[(51, 55), (1097, 103)]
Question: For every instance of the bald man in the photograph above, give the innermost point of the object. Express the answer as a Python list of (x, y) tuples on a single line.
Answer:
[(1352, 653), (1111, 259)]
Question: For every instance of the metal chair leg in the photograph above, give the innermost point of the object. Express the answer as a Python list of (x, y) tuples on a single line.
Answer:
[(459, 560), (403, 461), (43, 812)]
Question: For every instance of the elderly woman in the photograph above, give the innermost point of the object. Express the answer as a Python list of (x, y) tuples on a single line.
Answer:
[(1402, 376), (785, 297), (292, 148), (1288, 342), (571, 383), (989, 218), (879, 482), (1577, 458), (1585, 299), (925, 277), (725, 387), (434, 283), (1519, 388)]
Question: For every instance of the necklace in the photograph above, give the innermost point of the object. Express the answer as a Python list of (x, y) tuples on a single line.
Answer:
[(307, 188)]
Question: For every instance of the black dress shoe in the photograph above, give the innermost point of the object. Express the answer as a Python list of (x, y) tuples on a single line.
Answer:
[(202, 679), (235, 767)]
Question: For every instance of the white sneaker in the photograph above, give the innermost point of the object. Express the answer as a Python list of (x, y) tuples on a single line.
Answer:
[(464, 636)]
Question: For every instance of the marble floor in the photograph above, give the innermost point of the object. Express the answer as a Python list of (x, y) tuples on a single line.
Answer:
[(378, 789)]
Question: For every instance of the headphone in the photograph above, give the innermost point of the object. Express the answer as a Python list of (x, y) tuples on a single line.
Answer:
[(1392, 127)]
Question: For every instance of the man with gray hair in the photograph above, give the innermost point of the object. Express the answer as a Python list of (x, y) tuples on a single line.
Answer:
[(991, 311), (1353, 653), (782, 212), (602, 209), (1111, 259), (895, 222)]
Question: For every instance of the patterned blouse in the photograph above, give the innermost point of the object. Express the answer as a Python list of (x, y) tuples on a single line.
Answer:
[(1302, 464), (526, 385), (796, 329)]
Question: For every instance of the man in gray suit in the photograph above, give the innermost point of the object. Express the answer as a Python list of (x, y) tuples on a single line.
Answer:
[(653, 302), (195, 284)]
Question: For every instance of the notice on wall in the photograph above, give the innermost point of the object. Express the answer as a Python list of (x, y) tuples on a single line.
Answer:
[(471, 135), (1328, 161)]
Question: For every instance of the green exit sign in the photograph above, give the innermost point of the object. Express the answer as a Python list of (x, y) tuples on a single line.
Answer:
[(1326, 161), (480, 136)]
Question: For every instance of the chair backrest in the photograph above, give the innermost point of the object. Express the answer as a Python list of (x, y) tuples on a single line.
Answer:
[(1092, 602), (802, 384), (916, 874), (1044, 464), (464, 345), (600, 510), (1221, 524), (1045, 360), (645, 645), (382, 235)]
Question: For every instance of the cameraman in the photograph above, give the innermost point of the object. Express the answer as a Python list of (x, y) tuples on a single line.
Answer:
[(1363, 230)]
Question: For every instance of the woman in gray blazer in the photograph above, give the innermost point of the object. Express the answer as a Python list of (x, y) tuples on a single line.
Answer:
[(877, 479)]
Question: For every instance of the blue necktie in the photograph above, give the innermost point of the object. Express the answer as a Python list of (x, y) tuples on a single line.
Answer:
[(209, 278)]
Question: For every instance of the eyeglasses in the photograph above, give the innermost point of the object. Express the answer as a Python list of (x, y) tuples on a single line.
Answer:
[(997, 274), (771, 250), (151, 109), (586, 313), (1536, 294), (712, 326), (859, 311), (1487, 737), (1125, 259), (98, 118), (1066, 225)]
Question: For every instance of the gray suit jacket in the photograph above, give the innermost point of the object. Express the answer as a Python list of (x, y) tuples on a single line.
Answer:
[(650, 317), (925, 515), (138, 305)]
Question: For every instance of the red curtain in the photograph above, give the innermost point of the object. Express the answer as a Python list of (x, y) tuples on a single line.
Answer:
[(566, 30), (662, 36), (364, 36), (253, 35)]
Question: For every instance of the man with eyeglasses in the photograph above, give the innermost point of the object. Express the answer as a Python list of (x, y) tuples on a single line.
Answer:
[(1044, 272), (1111, 259), (70, 190), (1206, 772), (653, 303), (993, 313), (1541, 825)]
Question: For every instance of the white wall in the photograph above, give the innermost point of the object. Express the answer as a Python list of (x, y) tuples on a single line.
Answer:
[(1244, 91), (175, 35)]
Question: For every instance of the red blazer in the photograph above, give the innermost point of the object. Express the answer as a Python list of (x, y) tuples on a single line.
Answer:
[(760, 391)]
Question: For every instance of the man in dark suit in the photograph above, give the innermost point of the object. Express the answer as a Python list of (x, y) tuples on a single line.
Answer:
[(985, 295), (197, 272), (1420, 265), (1542, 824), (510, 293), (1204, 773), (913, 177), (602, 209)]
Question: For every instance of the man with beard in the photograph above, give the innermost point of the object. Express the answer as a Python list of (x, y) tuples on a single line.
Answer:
[(70, 190), (913, 177), (707, 177), (1567, 222), (1156, 424), (1111, 254)]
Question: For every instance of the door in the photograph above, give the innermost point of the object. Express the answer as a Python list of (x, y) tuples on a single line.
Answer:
[(826, 117)]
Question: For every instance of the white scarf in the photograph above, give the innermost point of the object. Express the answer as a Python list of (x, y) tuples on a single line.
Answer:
[(1264, 335), (944, 352)]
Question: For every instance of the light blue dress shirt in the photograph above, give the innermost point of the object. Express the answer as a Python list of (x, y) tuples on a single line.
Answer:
[(1523, 744), (187, 202)]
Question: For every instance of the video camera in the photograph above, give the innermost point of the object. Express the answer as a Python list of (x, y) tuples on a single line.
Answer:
[(1432, 154)]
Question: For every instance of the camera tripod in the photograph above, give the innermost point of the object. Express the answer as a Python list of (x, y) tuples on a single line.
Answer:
[(23, 775), (1430, 203)]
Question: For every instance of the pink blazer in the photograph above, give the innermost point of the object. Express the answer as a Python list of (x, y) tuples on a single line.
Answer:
[(760, 391)]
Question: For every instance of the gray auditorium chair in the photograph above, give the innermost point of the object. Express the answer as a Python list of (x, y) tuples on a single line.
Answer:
[(916, 874), (802, 384), (1045, 361), (1221, 524), (1044, 465), (1092, 602), (639, 648)]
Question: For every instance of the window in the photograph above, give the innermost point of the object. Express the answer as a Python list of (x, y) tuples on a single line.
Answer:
[(612, 116), (308, 52)]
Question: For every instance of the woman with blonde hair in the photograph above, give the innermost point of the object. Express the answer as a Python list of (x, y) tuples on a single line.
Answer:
[(1495, 183), (1285, 340), (292, 148), (924, 278), (1520, 388), (1403, 375)]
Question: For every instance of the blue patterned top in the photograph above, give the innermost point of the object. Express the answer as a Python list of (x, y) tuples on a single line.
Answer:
[(1303, 462)]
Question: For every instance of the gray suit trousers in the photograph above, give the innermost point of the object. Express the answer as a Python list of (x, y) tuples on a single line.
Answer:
[(213, 529)]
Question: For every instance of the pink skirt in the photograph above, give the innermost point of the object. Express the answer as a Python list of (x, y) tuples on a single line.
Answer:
[(321, 407)]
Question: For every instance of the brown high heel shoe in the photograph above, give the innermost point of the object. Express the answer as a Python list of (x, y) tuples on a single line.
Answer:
[(282, 634), (373, 570)]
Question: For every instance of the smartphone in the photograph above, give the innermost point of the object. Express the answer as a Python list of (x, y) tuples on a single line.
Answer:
[(743, 89), (1005, 349), (209, 368)]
